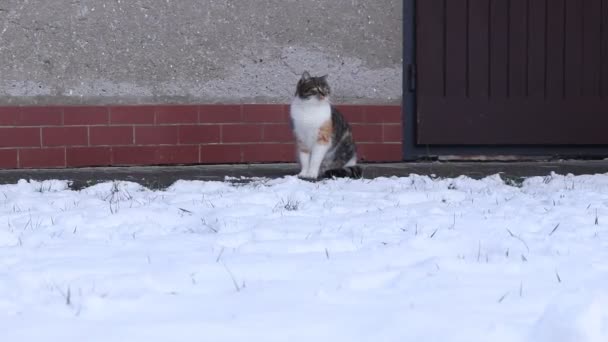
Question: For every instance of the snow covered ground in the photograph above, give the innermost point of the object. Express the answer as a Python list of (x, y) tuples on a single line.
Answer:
[(390, 259)]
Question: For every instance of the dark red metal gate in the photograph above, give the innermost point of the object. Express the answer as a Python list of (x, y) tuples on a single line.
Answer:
[(512, 72)]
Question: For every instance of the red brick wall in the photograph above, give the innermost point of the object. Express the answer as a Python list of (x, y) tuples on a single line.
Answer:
[(41, 137)]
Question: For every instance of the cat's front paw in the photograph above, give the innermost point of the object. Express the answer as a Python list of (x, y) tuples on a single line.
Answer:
[(308, 179), (313, 175), (306, 176)]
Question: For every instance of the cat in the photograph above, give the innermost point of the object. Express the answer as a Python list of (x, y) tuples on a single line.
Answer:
[(324, 139)]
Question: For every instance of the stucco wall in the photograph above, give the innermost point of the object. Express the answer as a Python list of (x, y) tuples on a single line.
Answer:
[(186, 51)]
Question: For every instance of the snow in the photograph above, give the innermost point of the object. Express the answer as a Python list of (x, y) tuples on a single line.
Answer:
[(389, 259)]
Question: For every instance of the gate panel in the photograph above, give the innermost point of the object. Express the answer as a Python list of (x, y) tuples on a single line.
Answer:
[(556, 18), (574, 46), (456, 48), (517, 72), (591, 47), (431, 40), (604, 52), (518, 48), (537, 12), (499, 44), (479, 53)]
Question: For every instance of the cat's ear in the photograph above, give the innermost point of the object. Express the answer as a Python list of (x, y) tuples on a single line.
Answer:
[(324, 77), (305, 75)]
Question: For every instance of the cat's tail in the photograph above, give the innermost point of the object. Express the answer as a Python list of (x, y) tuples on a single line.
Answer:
[(346, 172)]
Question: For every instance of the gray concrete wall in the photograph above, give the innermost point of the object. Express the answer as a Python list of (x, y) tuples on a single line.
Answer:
[(206, 51)]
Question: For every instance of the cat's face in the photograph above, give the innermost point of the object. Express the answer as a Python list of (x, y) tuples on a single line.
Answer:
[(313, 87)]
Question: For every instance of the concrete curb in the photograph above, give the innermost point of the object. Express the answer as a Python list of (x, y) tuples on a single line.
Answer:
[(160, 177)]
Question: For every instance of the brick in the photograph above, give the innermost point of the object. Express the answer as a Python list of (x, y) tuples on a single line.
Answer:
[(111, 135), (220, 114), (219, 154), (392, 133), (42, 157), (199, 134), (156, 135), (269, 153), (8, 116), (383, 114), (262, 113), (85, 115), (379, 152), (241, 133), (8, 159), (277, 133), (177, 154), (176, 114), (64, 136), (353, 113), (134, 155), (367, 132), (20, 137), (155, 155), (88, 156), (133, 115), (40, 116)]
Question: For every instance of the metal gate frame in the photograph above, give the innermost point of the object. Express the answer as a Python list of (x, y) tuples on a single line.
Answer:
[(414, 151)]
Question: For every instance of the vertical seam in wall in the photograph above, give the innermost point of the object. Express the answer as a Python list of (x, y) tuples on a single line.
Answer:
[(467, 52), (445, 47), (490, 49), (564, 40), (546, 51), (602, 43), (582, 52), (527, 90), (383, 133), (508, 48)]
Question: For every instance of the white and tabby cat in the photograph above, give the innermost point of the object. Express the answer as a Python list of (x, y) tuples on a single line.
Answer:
[(323, 137)]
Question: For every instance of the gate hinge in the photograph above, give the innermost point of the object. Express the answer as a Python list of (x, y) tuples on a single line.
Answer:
[(411, 77)]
